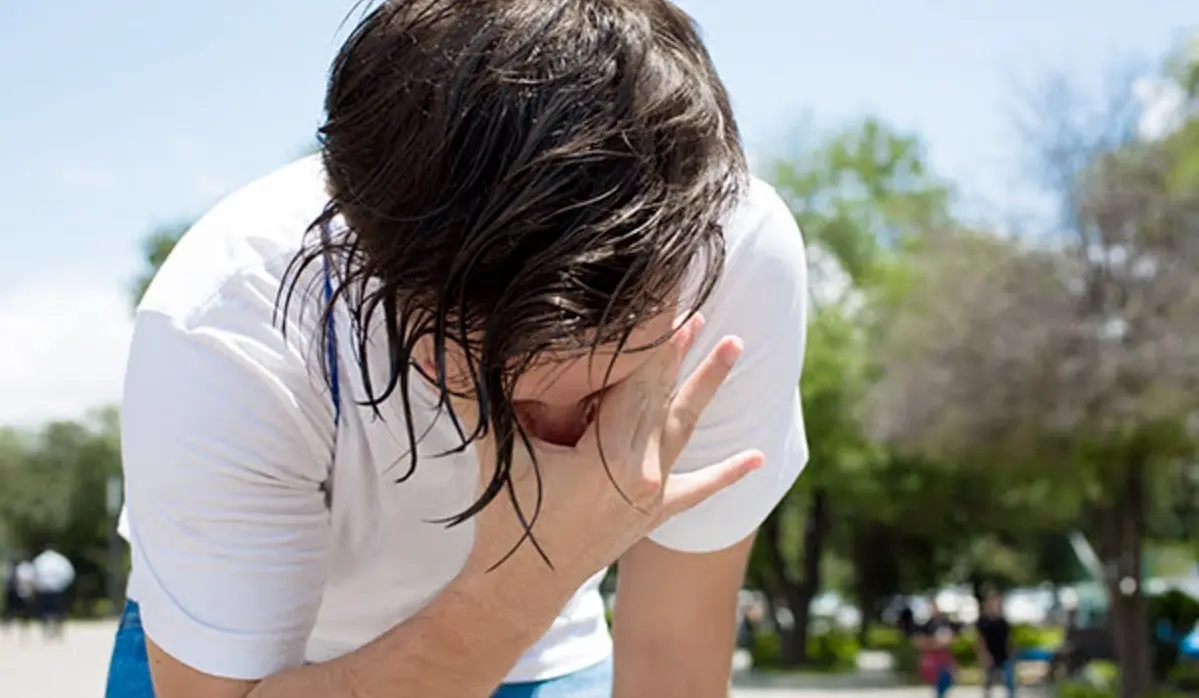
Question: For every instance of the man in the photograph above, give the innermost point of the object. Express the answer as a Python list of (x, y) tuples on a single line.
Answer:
[(391, 412), (994, 645), (19, 592), (907, 620), (53, 575)]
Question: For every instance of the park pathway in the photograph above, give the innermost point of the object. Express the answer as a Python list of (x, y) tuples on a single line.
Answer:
[(75, 668)]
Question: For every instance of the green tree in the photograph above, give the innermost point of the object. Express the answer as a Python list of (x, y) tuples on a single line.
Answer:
[(155, 250), (1075, 355), (54, 492), (856, 195)]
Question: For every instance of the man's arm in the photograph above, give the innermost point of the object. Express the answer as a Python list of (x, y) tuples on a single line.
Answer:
[(677, 597), (675, 621), (980, 647), (232, 537), (461, 645)]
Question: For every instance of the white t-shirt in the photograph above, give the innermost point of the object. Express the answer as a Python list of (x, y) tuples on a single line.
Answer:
[(240, 564), (53, 572), (26, 579)]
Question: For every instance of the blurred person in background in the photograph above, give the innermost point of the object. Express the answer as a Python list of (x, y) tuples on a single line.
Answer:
[(994, 646), (53, 575), (933, 640), (391, 411), (12, 598), (19, 592), (907, 621)]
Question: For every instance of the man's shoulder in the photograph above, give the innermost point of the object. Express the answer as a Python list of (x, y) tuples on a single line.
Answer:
[(760, 214), (252, 234), (765, 265), (219, 306)]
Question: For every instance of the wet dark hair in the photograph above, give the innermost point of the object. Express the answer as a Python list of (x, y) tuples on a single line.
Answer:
[(517, 177)]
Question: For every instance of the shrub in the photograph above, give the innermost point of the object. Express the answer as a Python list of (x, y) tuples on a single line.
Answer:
[(1081, 689), (1185, 677), (833, 650), (906, 661), (766, 649), (963, 648), (1033, 637), (884, 637)]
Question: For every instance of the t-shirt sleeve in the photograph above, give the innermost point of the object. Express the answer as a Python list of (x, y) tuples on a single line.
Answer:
[(226, 442), (762, 297)]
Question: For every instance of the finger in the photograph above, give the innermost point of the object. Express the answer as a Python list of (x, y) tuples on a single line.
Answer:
[(676, 349), (685, 490), (631, 409), (617, 425), (661, 369), (696, 394), (659, 376)]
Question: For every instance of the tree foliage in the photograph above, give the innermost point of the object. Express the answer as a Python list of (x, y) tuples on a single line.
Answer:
[(1074, 353), (969, 396), (856, 194), (155, 249), (53, 486)]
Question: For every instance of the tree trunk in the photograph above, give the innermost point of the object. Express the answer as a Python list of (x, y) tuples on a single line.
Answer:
[(863, 590), (780, 586), (799, 598), (875, 572), (1123, 558), (866, 603)]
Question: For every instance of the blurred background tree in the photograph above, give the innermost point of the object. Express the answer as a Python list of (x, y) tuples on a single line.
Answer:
[(986, 406)]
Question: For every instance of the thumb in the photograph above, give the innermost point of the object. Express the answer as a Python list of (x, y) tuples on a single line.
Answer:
[(685, 490)]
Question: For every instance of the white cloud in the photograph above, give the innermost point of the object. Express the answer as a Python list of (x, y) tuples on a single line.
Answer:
[(65, 341)]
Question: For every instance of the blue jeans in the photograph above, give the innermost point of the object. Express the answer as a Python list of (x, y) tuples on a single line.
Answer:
[(129, 671), (943, 683), (1005, 672)]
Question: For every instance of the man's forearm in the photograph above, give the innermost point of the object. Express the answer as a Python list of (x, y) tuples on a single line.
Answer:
[(676, 621), (667, 675), (460, 646)]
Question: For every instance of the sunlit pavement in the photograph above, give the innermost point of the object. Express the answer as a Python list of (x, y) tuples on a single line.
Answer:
[(31, 667)]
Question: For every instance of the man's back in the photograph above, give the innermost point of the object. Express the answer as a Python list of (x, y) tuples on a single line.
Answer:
[(995, 633), (233, 262)]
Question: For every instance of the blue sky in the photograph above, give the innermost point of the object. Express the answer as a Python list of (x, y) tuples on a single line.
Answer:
[(118, 116)]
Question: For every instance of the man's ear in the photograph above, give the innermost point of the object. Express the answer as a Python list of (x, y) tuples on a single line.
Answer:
[(426, 361)]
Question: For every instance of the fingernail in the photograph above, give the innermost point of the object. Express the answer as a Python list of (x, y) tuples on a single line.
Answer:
[(756, 460), (731, 352)]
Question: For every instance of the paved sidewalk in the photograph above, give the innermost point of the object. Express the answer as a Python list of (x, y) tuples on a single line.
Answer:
[(30, 667)]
